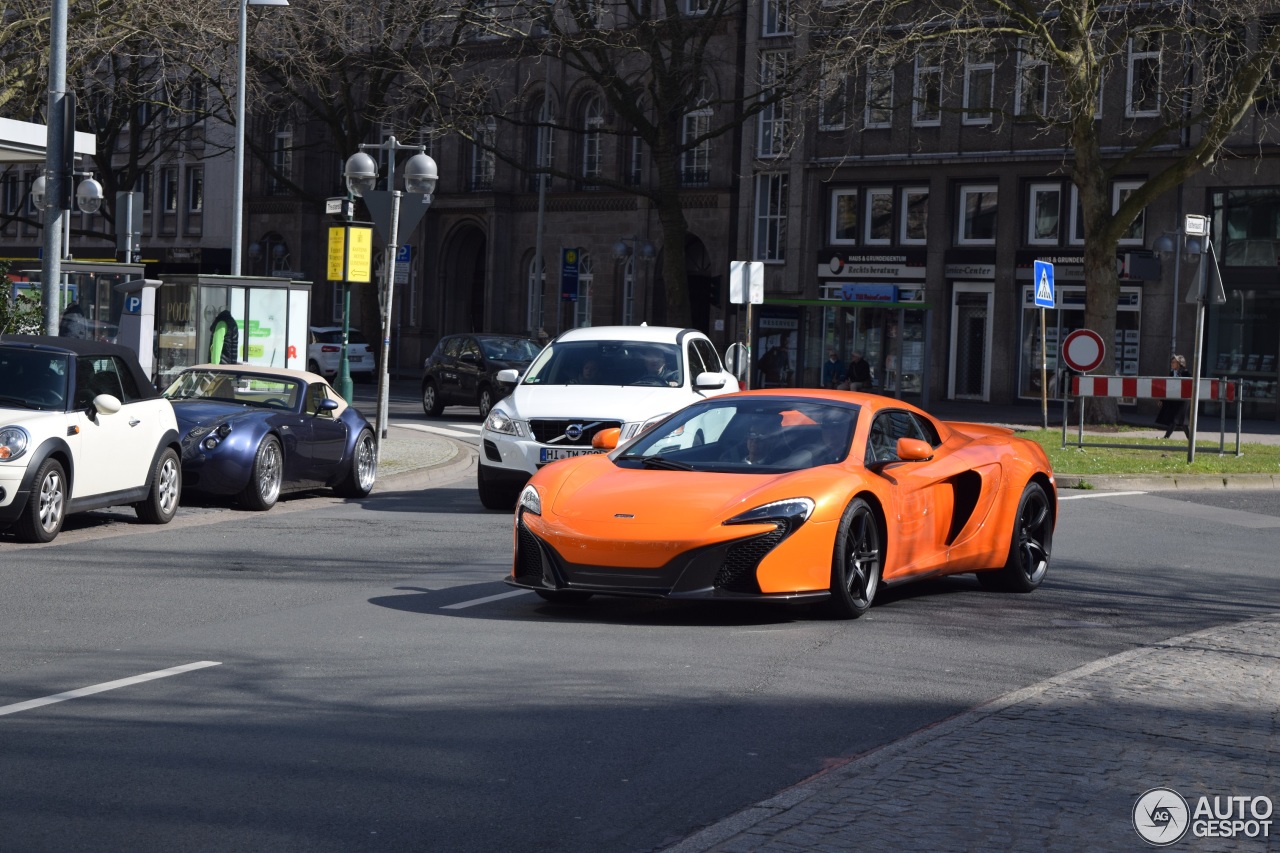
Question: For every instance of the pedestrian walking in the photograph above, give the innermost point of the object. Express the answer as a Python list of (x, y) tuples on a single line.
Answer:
[(1173, 413)]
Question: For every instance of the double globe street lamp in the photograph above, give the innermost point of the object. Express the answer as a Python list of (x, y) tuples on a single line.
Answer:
[(391, 210)]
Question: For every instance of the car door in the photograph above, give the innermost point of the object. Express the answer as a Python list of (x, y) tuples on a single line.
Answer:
[(326, 436), (922, 493), (116, 450), (447, 372), (470, 366)]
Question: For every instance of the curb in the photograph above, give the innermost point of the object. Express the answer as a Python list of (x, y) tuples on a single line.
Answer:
[(707, 839), (1166, 482), (455, 468)]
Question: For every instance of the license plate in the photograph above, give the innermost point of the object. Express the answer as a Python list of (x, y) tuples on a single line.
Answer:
[(551, 454), (355, 358)]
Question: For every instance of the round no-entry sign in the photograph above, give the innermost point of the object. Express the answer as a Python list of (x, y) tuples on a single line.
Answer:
[(1083, 350)]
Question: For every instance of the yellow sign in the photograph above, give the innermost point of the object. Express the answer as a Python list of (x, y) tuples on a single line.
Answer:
[(350, 254)]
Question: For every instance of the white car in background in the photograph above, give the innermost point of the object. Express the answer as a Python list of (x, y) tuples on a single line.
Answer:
[(585, 381), (324, 353)]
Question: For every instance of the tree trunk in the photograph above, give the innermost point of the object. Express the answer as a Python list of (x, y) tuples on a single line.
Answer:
[(674, 231)]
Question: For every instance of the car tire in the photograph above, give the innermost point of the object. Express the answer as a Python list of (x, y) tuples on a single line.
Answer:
[(161, 503), (46, 508), (857, 561), (1029, 545), (563, 596), (495, 495), (484, 401), (313, 366), (263, 489), (431, 402), (364, 468)]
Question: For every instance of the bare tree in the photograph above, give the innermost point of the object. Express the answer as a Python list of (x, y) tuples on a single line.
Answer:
[(1212, 65)]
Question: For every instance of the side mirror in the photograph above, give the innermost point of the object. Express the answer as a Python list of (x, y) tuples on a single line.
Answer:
[(606, 439), (708, 381), (509, 375), (106, 404), (469, 357), (326, 405), (914, 450)]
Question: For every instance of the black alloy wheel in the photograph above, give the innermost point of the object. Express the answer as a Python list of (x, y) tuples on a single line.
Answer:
[(1030, 545), (857, 561)]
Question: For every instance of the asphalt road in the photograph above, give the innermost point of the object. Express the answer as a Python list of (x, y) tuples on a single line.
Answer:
[(376, 686)]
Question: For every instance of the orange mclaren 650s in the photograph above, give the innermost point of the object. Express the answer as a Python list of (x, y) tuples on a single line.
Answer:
[(791, 496)]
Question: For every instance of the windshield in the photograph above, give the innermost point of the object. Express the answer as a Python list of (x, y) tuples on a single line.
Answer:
[(747, 435), (509, 349), (30, 379), (228, 386), (608, 363)]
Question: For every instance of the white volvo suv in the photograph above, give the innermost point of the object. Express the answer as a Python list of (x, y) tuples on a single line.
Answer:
[(585, 381)]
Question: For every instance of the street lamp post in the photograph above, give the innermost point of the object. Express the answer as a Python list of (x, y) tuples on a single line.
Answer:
[(420, 178), (237, 190)]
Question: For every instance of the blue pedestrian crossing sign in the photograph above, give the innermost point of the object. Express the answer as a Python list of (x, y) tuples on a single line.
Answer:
[(1043, 276)]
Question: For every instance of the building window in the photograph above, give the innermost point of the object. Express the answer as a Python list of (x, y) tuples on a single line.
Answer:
[(977, 215), (1076, 237), (635, 161), (696, 7), (979, 88), (695, 160), (582, 308), (879, 219), (926, 107), (282, 160), (11, 193), (144, 187), (592, 129), (771, 139), (1120, 191), (777, 18), (771, 217), (1032, 96), (915, 216), (629, 290), (1044, 215), (482, 156), (879, 98), (534, 282), (1143, 98), (844, 217), (195, 189), (169, 189), (833, 100)]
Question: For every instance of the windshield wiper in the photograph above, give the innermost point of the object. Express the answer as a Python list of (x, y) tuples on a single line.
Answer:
[(21, 402), (660, 461)]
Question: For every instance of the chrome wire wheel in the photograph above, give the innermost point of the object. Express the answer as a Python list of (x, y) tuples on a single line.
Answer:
[(51, 502), (366, 462), (268, 472)]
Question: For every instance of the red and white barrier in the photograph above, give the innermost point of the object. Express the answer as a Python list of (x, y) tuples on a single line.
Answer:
[(1154, 387)]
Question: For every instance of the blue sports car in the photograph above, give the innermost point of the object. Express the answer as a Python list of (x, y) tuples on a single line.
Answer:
[(254, 432)]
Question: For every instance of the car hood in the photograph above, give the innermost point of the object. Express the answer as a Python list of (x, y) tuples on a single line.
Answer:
[(604, 402), (192, 413), (12, 416)]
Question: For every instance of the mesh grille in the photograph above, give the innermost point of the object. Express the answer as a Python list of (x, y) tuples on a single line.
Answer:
[(529, 557), (547, 431), (738, 574)]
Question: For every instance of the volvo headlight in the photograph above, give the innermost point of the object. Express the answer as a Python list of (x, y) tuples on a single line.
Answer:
[(792, 511), (531, 501), (500, 421), (14, 441)]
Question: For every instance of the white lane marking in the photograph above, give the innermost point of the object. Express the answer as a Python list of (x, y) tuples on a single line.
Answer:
[(107, 685), (461, 604), (460, 431), (1063, 497)]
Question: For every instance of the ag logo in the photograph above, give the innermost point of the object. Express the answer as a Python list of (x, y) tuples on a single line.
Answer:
[(1161, 816)]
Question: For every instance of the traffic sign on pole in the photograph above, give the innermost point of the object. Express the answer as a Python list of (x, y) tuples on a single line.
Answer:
[(1083, 350), (1043, 277)]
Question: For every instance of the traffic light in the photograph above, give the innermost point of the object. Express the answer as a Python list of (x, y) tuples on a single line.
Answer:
[(713, 290)]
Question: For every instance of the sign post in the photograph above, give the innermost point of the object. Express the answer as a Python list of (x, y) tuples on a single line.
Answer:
[(350, 260), (1043, 277), (1199, 242), (746, 287)]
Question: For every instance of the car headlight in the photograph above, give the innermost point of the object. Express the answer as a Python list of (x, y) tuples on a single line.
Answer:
[(500, 421), (634, 429), (216, 436), (14, 441), (531, 501), (792, 512)]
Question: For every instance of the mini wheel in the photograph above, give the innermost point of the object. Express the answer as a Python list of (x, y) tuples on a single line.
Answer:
[(46, 508), (161, 504)]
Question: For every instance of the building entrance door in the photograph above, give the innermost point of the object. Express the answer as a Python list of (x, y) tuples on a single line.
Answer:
[(971, 310)]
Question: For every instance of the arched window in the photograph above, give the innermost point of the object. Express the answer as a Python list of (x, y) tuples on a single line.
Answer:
[(483, 159), (543, 143), (534, 281), (582, 308), (695, 160), (592, 123)]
